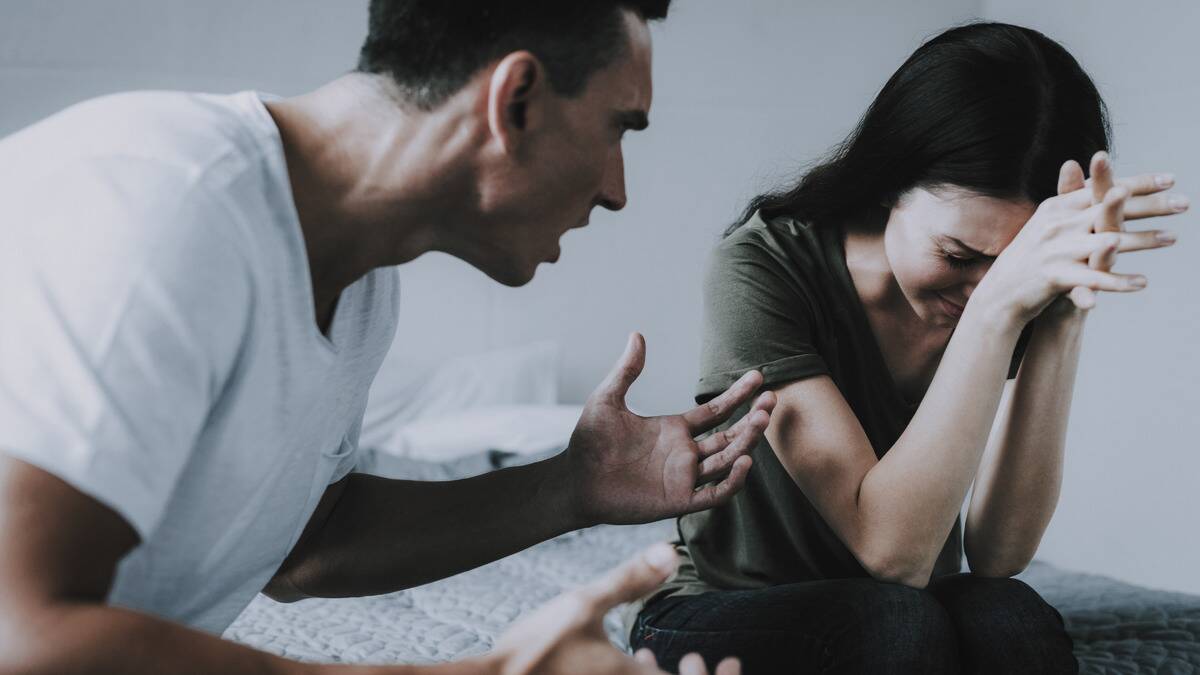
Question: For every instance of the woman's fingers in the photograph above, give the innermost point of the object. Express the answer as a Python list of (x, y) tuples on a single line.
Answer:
[(1083, 298), (1083, 246), (1101, 176), (1146, 198), (1153, 206), (1070, 177), (1112, 219), (1100, 281), (1147, 183)]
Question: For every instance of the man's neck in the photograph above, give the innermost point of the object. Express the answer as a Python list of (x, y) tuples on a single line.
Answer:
[(370, 181)]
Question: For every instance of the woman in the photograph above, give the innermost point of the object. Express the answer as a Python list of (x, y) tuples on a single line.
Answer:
[(850, 293)]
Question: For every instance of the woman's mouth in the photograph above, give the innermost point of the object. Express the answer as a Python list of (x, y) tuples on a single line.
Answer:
[(951, 308)]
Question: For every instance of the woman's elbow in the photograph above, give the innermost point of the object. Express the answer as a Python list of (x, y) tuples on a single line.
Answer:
[(993, 567), (994, 561), (895, 567)]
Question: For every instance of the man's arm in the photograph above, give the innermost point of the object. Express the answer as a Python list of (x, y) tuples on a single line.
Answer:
[(373, 535), (57, 565)]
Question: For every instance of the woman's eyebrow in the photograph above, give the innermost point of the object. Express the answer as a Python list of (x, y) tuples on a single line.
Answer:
[(973, 251)]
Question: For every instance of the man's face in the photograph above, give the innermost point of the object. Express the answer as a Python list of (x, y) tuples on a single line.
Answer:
[(572, 163)]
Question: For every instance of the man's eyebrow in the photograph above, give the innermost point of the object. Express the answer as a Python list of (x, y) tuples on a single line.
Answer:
[(635, 120), (958, 242)]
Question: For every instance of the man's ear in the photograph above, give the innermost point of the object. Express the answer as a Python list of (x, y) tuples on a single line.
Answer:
[(516, 96)]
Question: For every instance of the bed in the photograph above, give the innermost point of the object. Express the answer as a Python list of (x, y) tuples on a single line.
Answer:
[(1117, 627)]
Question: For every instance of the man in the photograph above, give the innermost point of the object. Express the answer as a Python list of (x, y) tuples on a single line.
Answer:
[(196, 299)]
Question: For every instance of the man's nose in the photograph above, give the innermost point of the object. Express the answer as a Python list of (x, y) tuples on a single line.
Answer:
[(612, 188)]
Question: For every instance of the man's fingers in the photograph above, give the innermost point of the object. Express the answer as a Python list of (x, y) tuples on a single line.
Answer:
[(729, 666), (692, 664), (626, 370), (706, 416), (765, 401), (715, 494), (645, 657), (743, 442), (721, 439), (1070, 177), (635, 578)]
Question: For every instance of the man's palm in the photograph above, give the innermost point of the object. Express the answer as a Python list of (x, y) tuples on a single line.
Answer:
[(627, 468)]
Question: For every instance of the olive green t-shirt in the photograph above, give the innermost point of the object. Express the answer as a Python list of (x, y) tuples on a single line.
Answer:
[(779, 298)]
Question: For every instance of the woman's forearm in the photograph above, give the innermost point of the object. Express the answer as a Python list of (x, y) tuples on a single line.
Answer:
[(909, 500), (1021, 475)]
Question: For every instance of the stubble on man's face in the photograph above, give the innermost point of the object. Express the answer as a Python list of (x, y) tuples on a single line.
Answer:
[(579, 162)]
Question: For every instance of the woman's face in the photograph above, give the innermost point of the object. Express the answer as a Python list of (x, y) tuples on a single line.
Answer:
[(940, 242)]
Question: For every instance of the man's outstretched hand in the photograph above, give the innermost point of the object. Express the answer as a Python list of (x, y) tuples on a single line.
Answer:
[(624, 468), (566, 635)]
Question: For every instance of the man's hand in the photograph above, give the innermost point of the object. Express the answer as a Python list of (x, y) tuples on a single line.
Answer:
[(566, 635), (624, 468)]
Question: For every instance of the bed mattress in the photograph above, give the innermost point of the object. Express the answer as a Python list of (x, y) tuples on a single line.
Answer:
[(1117, 627)]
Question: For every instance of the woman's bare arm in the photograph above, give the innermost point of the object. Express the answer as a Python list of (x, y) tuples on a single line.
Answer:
[(1021, 474)]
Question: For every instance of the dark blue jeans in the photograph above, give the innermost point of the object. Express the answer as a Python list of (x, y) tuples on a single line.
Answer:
[(959, 624)]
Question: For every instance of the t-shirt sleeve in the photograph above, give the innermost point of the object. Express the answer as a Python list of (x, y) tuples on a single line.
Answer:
[(757, 316), (348, 454), (124, 301)]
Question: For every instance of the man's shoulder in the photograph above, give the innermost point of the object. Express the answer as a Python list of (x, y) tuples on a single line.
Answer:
[(142, 171), (189, 132)]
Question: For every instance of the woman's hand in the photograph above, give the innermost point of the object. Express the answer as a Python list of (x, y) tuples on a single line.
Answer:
[(1049, 257), (1147, 201)]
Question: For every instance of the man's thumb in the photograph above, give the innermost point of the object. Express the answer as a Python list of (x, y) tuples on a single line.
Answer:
[(636, 577), (626, 370)]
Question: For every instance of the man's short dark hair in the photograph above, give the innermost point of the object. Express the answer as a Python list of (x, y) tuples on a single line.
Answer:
[(430, 48)]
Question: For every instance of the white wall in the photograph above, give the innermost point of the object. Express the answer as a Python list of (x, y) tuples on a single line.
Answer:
[(1130, 501), (745, 93)]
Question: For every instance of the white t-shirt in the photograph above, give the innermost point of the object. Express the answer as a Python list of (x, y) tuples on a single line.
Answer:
[(158, 345)]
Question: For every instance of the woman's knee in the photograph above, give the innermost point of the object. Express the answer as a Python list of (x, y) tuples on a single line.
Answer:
[(1005, 624), (895, 629), (1001, 602)]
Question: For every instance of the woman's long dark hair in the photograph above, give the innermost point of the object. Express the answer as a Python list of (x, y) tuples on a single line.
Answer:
[(989, 107)]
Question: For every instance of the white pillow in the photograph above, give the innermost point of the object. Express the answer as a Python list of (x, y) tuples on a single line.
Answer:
[(527, 374), (521, 429)]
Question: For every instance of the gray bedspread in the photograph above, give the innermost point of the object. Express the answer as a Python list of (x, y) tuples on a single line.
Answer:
[(1117, 627)]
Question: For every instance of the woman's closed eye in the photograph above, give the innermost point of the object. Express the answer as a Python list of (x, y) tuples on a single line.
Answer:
[(959, 262)]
